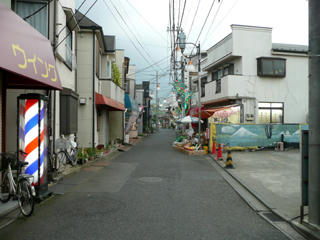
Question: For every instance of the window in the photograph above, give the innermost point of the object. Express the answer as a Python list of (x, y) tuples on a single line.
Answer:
[(220, 73), (271, 67), (203, 84), (40, 20), (215, 76), (270, 112), (68, 111), (218, 86), (109, 70), (68, 47)]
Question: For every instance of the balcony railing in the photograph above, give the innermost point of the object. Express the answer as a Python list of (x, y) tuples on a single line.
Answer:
[(229, 86), (112, 90)]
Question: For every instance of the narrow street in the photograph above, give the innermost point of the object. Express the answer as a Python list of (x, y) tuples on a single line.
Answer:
[(148, 192)]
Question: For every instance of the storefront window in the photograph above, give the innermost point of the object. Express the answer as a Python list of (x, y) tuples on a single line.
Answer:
[(40, 20), (270, 112)]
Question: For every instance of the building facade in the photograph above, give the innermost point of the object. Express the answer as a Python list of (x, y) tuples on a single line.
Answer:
[(268, 82)]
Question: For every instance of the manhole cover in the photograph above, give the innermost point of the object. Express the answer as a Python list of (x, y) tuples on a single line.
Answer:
[(150, 179)]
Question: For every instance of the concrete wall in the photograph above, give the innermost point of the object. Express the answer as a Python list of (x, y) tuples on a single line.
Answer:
[(85, 68), (7, 3), (112, 90), (116, 121)]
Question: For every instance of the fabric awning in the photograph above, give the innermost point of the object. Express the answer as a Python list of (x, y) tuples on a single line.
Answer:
[(204, 114), (26, 54), (113, 104)]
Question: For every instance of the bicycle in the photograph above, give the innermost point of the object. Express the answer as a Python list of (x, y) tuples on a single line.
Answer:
[(22, 189), (63, 157)]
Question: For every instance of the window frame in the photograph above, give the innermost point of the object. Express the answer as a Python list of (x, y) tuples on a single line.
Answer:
[(272, 108), (36, 2), (69, 64), (260, 70)]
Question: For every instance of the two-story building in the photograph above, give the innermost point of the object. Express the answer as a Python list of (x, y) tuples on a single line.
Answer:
[(101, 96), (267, 82)]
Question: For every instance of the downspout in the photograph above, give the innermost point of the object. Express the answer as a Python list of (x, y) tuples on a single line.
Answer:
[(93, 86), (54, 92)]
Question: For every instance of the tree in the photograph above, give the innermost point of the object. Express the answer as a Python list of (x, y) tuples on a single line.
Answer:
[(116, 74)]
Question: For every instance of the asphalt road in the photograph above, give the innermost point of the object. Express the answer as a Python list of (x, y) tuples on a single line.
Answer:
[(148, 192)]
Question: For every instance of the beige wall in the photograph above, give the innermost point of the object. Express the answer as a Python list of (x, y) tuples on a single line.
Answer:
[(85, 68), (116, 121)]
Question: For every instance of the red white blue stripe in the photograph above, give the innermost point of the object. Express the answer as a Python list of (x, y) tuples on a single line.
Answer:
[(31, 138)]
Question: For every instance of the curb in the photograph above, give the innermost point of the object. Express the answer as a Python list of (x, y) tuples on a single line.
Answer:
[(302, 228)]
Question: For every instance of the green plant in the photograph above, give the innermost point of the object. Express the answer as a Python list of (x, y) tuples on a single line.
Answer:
[(91, 152), (82, 155), (116, 74)]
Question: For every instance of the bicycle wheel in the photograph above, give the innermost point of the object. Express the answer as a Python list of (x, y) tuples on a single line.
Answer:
[(61, 161), (5, 188), (74, 156), (25, 198)]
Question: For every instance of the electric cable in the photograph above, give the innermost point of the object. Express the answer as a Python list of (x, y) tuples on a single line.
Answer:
[(145, 20), (212, 22), (193, 19), (131, 31), (184, 6), (77, 24), (38, 10), (68, 21), (204, 23)]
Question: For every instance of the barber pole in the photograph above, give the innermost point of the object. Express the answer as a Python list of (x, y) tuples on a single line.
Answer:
[(31, 138)]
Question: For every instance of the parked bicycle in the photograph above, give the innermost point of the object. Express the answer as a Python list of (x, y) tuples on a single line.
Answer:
[(22, 188), (67, 154)]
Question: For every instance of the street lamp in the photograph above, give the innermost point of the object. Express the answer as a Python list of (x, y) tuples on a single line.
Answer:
[(182, 44)]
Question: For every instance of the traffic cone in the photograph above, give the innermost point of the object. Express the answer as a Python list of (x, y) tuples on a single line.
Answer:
[(219, 155), (214, 150), (229, 163)]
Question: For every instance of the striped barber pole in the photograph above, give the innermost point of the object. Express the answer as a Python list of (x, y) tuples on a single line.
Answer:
[(31, 138)]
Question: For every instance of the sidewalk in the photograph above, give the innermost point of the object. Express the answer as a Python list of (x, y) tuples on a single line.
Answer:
[(273, 177), (9, 210)]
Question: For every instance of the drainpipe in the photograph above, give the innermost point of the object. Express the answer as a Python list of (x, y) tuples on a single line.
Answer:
[(93, 85), (54, 92)]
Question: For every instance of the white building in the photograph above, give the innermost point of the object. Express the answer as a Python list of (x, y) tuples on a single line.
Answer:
[(268, 81)]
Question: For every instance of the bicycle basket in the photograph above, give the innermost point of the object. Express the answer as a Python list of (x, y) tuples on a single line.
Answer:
[(7, 157), (61, 144)]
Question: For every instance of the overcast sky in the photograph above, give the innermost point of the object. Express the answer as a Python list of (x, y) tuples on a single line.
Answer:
[(147, 21)]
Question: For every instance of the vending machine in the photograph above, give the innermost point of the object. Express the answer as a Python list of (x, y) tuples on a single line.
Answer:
[(32, 138)]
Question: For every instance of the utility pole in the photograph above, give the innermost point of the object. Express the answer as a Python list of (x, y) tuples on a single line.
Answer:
[(314, 114), (199, 91), (157, 100)]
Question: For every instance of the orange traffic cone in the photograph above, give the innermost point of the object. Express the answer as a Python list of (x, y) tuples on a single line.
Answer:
[(219, 155), (214, 150)]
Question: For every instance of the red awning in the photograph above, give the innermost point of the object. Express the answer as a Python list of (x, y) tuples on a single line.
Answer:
[(204, 114), (26, 54), (102, 100)]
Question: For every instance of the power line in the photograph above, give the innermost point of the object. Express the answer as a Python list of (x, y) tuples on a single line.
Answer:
[(141, 70), (131, 32), (67, 22), (184, 6), (204, 23), (135, 46), (35, 12), (146, 20), (76, 24), (205, 38), (194, 18)]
